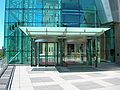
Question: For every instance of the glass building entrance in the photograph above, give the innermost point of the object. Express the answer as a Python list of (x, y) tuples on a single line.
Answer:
[(61, 45), (28, 20)]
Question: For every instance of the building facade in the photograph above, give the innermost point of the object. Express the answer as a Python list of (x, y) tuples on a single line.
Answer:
[(37, 49)]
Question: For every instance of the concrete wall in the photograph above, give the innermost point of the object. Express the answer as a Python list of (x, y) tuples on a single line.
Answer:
[(117, 42)]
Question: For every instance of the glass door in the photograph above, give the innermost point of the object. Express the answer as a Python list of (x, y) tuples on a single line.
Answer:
[(42, 56), (47, 54), (75, 53), (51, 54)]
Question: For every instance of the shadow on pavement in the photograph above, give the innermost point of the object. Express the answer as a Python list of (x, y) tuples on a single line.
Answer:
[(87, 68)]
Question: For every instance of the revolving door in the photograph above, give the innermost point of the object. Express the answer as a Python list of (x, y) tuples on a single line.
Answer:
[(45, 54)]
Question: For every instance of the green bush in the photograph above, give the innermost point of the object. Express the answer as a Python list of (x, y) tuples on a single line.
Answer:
[(1, 54)]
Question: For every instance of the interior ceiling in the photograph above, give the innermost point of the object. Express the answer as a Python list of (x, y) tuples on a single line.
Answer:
[(67, 39), (57, 37)]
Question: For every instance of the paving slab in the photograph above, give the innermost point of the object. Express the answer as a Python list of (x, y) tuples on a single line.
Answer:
[(87, 85), (41, 79), (49, 87), (115, 81)]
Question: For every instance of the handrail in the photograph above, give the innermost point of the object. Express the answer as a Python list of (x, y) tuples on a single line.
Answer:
[(3, 67)]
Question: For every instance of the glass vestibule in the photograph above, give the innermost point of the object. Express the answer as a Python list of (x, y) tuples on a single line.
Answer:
[(45, 53), (58, 53)]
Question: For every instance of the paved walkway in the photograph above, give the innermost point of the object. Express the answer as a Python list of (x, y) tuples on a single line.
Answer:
[(48, 78)]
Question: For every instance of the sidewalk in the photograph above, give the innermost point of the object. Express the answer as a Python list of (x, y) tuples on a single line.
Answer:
[(48, 78)]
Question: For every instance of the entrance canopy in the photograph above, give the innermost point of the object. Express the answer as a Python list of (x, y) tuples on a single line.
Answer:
[(63, 31)]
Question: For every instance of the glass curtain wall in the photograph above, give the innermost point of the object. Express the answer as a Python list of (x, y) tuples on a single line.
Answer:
[(35, 13), (42, 13), (17, 44)]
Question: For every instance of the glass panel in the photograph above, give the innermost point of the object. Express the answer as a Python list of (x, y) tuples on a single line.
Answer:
[(51, 13), (70, 4)]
